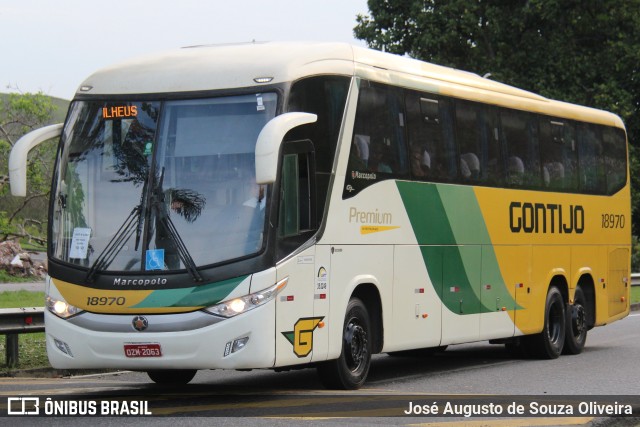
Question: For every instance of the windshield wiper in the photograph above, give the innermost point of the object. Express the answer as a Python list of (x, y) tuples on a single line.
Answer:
[(162, 214), (116, 243), (134, 223)]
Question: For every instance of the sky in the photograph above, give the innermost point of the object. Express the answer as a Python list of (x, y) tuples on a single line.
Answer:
[(53, 45)]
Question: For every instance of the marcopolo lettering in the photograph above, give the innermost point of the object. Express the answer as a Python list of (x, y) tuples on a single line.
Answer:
[(546, 218), (139, 282)]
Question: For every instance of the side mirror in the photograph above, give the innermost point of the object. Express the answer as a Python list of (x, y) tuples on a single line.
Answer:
[(270, 139), (18, 156)]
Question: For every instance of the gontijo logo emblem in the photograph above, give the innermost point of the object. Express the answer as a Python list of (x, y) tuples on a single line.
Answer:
[(302, 335)]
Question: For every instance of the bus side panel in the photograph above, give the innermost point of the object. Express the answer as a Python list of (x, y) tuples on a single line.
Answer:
[(295, 321), (351, 266), (602, 297), (461, 294), (416, 304), (618, 281), (547, 262), (322, 289), (498, 296)]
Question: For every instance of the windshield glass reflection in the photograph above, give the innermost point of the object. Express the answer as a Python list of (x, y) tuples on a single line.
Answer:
[(141, 192)]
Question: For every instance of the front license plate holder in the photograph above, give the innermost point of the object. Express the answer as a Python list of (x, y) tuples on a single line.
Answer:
[(135, 350)]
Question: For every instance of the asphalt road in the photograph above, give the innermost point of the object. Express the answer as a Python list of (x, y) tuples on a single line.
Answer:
[(607, 369), (27, 286)]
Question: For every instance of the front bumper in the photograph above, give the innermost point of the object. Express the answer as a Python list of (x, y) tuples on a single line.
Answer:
[(70, 346)]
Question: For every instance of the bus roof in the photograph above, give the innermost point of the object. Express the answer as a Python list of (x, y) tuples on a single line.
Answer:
[(226, 66)]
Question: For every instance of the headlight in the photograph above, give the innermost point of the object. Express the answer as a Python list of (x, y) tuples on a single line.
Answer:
[(61, 308), (243, 304)]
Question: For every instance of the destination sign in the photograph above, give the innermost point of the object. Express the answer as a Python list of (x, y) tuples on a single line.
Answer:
[(119, 112)]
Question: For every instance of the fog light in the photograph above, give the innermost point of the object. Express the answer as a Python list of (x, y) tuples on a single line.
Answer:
[(63, 347), (235, 345), (239, 344)]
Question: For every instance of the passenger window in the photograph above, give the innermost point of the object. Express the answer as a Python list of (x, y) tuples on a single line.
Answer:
[(615, 159), (478, 143), (592, 176), (469, 142), (559, 154), (378, 150), (521, 140), (433, 154), (493, 173)]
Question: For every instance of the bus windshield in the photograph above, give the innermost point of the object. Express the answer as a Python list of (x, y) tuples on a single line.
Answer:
[(160, 185)]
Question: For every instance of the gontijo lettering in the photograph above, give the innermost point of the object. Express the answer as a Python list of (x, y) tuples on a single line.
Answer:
[(545, 218)]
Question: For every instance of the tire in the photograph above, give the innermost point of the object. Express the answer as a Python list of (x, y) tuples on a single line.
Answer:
[(350, 370), (172, 376), (549, 343), (576, 328)]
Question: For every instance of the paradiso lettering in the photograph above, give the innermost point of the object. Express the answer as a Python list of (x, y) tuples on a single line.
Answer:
[(546, 218), (120, 111)]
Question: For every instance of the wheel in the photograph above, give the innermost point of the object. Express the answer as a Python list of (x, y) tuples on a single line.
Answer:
[(172, 376), (576, 328), (549, 343), (350, 370)]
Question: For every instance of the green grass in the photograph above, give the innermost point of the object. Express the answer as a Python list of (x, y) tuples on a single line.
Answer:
[(26, 246), (8, 278), (17, 299), (32, 352), (635, 294)]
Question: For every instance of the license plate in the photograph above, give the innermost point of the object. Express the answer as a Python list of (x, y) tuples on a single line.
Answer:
[(142, 350)]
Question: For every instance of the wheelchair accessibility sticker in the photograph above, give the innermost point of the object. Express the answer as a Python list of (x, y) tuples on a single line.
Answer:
[(155, 259)]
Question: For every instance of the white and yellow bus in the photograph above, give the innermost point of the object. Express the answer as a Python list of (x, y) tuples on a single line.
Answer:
[(271, 205)]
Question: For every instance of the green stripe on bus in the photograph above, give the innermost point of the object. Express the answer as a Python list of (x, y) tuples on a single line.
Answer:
[(455, 246), (197, 296)]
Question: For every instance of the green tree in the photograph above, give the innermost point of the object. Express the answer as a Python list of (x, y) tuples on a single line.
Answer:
[(25, 217), (581, 51)]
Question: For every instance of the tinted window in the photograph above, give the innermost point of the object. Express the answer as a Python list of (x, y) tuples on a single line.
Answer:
[(430, 133), (615, 159), (478, 143), (592, 177), (559, 154), (520, 137), (463, 142), (378, 148)]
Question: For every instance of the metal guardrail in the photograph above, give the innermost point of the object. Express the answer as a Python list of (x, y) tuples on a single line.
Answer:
[(635, 279), (15, 321)]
